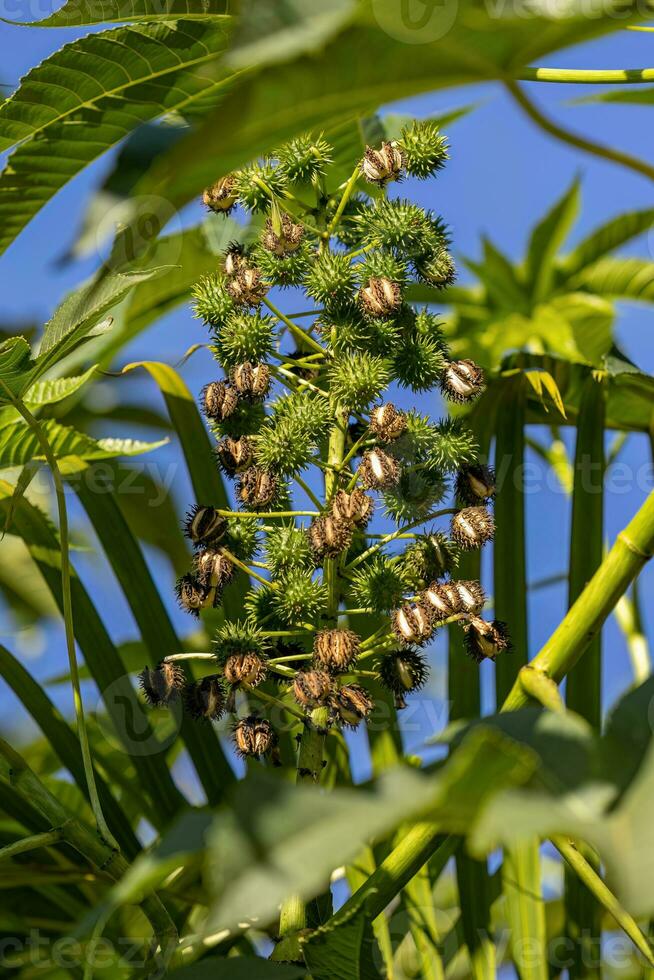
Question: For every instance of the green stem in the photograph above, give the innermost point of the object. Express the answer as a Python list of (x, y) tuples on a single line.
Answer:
[(604, 896), (67, 603), (297, 331), (270, 699), (242, 515), (46, 839), (175, 657), (294, 383), (632, 550), (246, 568), (398, 534), (586, 76), (579, 142), (347, 194)]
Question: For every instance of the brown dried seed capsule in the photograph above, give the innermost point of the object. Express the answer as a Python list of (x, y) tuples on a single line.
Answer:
[(380, 297), (462, 381), (442, 601), (382, 165), (378, 470), (412, 624), (219, 400), (206, 699), (312, 687), (329, 537), (245, 668), (352, 705), (235, 455), (402, 672), (387, 423), (247, 288), (235, 259), (254, 737), (475, 484), (354, 508), (220, 196), (213, 569), (192, 595), (161, 684), (251, 381), (204, 525), (472, 596), (336, 650), (287, 241), (256, 488), (486, 640), (473, 527)]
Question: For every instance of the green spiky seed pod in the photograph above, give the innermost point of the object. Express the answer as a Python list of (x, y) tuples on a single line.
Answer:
[(255, 184), (352, 704), (283, 239), (413, 624), (436, 268), (329, 537), (387, 423), (473, 527), (486, 640), (424, 148), (475, 484), (221, 196), (330, 280), (380, 585), (299, 597), (251, 381), (239, 637), (161, 685), (312, 688), (379, 264), (235, 455), (211, 301), (206, 699), (381, 166), (304, 158), (463, 381), (242, 538), (256, 488), (245, 421), (284, 270), (213, 569), (432, 557), (287, 547), (358, 379), (292, 433), (192, 596), (350, 229), (453, 445), (380, 297), (378, 470), (247, 288), (403, 672), (244, 337), (415, 495), (336, 650), (204, 526), (400, 225), (353, 508), (259, 605), (255, 737)]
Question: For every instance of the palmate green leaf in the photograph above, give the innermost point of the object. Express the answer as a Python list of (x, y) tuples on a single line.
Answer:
[(15, 366), (80, 13), (19, 443), (619, 279), (546, 239), (605, 239), (56, 389), (337, 84), (65, 113)]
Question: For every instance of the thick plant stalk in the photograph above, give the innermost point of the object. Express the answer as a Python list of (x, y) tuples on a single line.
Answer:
[(633, 548), (28, 788), (521, 875), (82, 733), (584, 684)]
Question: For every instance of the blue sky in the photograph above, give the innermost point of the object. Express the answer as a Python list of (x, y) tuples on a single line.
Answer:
[(503, 174)]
